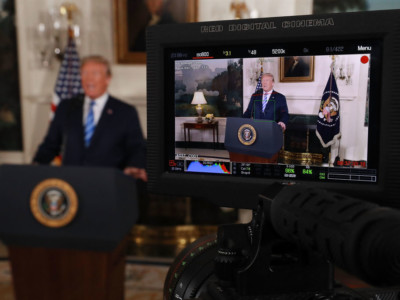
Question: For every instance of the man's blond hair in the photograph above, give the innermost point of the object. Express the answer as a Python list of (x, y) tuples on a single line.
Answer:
[(98, 59), (268, 75)]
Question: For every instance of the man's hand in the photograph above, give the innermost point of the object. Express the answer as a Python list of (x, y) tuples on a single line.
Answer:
[(136, 173), (283, 126)]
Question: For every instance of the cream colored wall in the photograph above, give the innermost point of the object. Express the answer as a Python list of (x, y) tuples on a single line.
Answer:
[(211, 10), (129, 81)]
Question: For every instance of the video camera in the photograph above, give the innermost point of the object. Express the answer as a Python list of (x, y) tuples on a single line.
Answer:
[(289, 249)]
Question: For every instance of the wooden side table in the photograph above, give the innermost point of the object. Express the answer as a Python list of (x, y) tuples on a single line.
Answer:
[(201, 126)]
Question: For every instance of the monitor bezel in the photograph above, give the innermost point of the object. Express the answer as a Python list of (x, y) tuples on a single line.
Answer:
[(242, 192)]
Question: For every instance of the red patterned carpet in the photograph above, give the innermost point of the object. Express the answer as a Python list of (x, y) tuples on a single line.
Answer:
[(143, 281)]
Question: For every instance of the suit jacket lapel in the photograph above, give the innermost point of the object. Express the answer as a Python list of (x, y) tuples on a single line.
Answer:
[(271, 102), (75, 117), (258, 106)]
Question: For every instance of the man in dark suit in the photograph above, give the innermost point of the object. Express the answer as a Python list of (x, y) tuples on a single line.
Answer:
[(95, 129), (267, 104)]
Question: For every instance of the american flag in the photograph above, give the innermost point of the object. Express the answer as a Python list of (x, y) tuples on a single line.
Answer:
[(259, 80), (68, 82)]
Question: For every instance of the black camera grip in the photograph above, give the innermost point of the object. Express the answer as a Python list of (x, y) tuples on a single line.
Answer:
[(360, 237)]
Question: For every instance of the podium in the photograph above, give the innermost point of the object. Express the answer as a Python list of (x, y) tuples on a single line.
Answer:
[(65, 228), (249, 140)]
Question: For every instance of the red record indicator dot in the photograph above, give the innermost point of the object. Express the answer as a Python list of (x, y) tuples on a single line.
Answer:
[(364, 59)]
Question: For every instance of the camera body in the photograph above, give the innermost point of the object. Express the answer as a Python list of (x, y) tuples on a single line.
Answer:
[(260, 260)]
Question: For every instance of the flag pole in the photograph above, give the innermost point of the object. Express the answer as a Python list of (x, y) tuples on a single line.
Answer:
[(332, 70), (68, 82), (337, 158)]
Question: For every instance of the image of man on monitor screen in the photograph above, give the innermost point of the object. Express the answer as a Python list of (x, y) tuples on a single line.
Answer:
[(297, 67), (268, 104)]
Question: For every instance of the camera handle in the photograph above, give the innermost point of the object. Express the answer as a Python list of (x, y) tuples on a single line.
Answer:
[(254, 260)]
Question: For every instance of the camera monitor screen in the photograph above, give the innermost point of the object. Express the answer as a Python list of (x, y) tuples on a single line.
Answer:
[(241, 104)]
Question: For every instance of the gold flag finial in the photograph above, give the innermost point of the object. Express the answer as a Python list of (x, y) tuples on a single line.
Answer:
[(239, 7), (68, 9)]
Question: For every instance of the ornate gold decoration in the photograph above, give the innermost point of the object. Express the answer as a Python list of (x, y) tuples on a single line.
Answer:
[(54, 202), (165, 241), (300, 158), (68, 9), (240, 9), (247, 134)]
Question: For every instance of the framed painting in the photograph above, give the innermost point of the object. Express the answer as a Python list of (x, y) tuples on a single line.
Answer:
[(132, 17), (296, 68)]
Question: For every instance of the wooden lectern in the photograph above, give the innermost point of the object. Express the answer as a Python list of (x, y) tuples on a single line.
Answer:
[(65, 228), (256, 141), (240, 157)]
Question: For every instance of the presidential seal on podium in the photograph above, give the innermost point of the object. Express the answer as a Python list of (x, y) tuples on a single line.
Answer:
[(247, 134), (54, 202)]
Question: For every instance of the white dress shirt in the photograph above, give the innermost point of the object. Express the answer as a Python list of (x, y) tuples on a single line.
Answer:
[(268, 94), (100, 102)]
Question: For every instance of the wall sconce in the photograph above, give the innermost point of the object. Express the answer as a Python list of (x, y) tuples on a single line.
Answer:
[(53, 30), (346, 73), (199, 99), (343, 71)]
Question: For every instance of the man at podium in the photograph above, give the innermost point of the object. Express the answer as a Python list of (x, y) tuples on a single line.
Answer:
[(95, 129), (268, 104)]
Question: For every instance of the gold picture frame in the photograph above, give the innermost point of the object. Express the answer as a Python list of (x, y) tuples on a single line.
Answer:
[(296, 68), (129, 32)]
